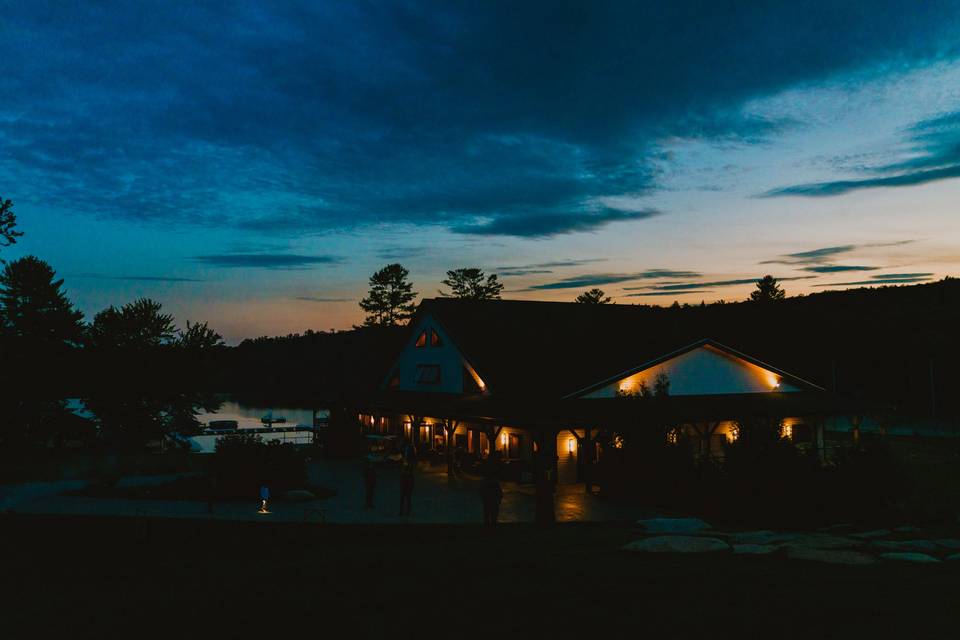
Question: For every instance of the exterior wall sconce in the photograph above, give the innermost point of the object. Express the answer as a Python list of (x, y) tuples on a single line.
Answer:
[(571, 444)]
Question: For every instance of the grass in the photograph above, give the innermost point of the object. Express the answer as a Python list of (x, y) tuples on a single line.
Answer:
[(98, 577)]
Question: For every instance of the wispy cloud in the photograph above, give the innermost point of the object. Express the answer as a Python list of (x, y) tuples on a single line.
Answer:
[(522, 272), (266, 260), (838, 268), (137, 278), (595, 280), (813, 256), (682, 287), (322, 299), (664, 293), (878, 280), (933, 155), (546, 225)]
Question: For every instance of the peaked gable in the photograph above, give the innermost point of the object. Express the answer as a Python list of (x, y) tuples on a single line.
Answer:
[(430, 361), (702, 368)]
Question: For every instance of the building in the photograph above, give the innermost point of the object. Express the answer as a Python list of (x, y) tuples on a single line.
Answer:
[(541, 385)]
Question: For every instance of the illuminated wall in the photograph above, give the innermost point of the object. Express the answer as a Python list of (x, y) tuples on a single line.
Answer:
[(702, 371)]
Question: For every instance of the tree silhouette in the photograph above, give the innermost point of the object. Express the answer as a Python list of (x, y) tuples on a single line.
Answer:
[(593, 296), (34, 311), (389, 301), (199, 337), (8, 222), (152, 406), (469, 283), (767, 290), (136, 325)]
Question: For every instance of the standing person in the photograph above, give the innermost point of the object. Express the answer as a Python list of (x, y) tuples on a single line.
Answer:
[(406, 488), (370, 481), (491, 494), (264, 497)]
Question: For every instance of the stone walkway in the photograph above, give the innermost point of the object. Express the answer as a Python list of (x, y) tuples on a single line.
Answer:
[(435, 500)]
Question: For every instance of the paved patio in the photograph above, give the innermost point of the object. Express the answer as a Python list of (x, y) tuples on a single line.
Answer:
[(435, 500)]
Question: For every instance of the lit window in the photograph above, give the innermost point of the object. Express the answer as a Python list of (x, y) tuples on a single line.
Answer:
[(422, 340), (786, 431), (733, 433), (428, 374), (434, 339)]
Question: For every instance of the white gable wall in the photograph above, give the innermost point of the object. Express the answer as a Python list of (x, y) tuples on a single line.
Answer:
[(702, 371), (447, 356)]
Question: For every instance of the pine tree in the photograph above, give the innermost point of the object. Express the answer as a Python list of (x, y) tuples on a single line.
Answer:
[(593, 296), (390, 299), (767, 290), (34, 310), (470, 283)]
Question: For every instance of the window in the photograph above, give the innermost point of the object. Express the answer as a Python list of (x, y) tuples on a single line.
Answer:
[(422, 340), (434, 339), (428, 374)]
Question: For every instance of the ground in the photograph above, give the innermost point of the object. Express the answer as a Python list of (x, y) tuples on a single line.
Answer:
[(71, 576), (435, 500)]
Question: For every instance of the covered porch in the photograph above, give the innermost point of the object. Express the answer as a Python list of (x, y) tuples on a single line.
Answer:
[(550, 442)]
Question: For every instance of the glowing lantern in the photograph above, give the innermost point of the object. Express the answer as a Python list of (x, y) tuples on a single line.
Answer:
[(571, 443)]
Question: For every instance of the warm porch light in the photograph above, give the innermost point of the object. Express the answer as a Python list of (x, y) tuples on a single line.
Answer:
[(503, 439), (786, 431), (571, 444), (733, 434)]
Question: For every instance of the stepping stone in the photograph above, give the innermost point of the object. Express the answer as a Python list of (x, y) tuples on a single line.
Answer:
[(831, 556), (673, 525), (824, 541), (876, 533), (678, 544), (753, 549), (906, 556), (904, 545)]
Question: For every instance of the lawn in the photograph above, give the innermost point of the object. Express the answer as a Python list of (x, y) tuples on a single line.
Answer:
[(96, 577)]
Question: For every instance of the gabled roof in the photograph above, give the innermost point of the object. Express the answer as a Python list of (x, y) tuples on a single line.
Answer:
[(705, 342), (554, 349)]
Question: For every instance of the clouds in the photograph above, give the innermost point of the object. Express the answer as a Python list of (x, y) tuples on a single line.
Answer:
[(487, 119), (265, 260), (888, 278), (547, 225), (932, 154), (600, 279), (322, 299)]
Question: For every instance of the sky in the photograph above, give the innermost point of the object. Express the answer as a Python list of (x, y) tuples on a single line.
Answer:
[(251, 164)]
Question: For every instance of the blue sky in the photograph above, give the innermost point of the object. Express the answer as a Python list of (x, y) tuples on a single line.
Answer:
[(251, 164)]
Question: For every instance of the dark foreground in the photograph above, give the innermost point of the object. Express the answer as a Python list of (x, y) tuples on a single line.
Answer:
[(98, 577)]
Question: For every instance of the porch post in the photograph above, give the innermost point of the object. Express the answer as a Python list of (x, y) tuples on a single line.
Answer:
[(449, 428), (544, 473)]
